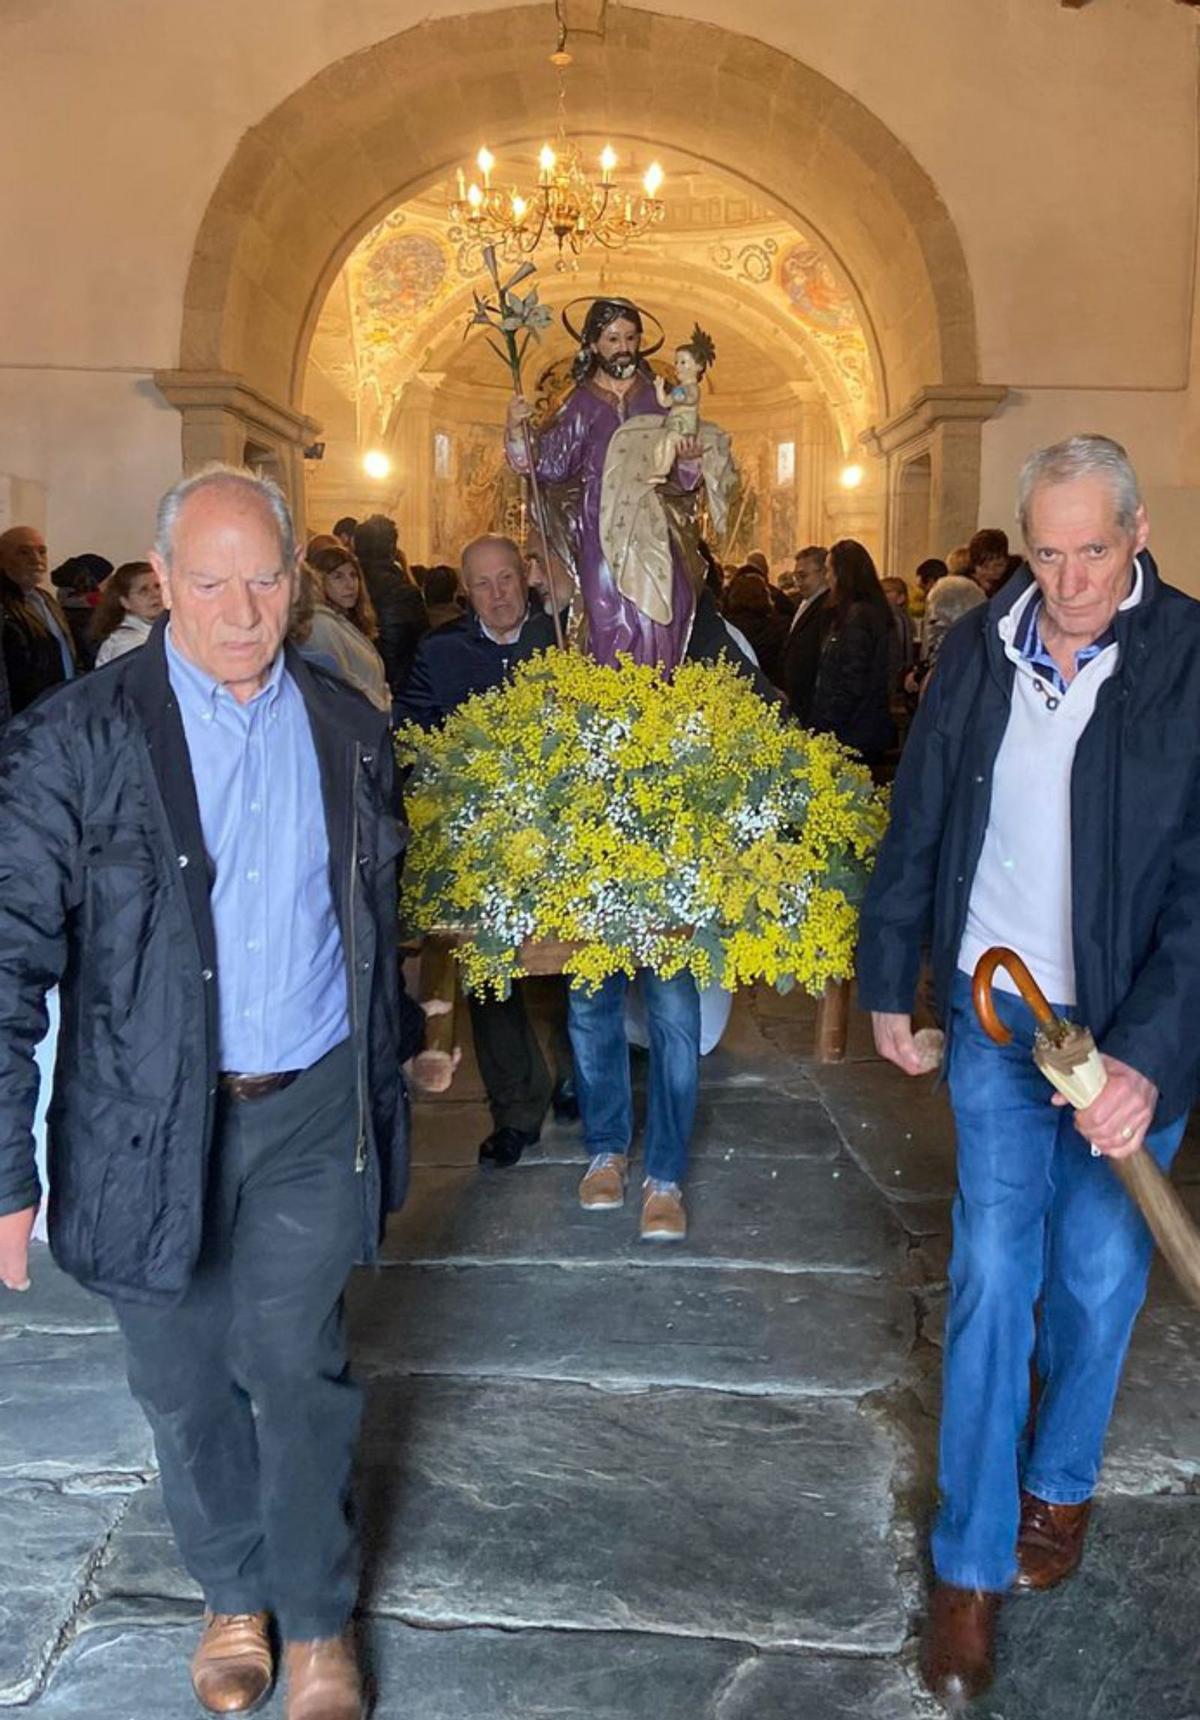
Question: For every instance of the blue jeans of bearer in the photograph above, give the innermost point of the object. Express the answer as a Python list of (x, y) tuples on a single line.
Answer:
[(596, 1022), (1037, 1217)]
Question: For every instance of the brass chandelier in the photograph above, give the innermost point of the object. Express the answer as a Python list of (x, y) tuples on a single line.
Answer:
[(567, 204)]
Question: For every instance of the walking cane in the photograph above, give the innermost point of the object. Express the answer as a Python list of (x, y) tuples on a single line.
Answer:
[(1067, 1056)]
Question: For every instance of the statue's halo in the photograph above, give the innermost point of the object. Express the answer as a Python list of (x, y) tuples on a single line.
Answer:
[(613, 299)]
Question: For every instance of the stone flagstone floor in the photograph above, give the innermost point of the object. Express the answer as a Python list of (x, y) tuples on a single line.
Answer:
[(605, 1482)]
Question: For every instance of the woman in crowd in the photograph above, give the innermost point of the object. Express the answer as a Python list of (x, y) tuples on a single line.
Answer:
[(130, 603), (749, 608), (948, 601), (344, 589), (851, 699), (334, 623)]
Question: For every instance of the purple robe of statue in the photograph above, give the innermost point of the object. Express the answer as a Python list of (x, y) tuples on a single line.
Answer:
[(574, 445)]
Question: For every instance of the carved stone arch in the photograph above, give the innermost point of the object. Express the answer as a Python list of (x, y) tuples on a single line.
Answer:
[(375, 128)]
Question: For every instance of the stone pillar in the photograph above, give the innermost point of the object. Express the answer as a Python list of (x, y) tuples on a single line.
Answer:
[(811, 464), (225, 419), (410, 445), (932, 450)]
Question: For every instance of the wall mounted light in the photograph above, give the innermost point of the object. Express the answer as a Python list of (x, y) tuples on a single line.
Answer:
[(376, 464), (852, 477)]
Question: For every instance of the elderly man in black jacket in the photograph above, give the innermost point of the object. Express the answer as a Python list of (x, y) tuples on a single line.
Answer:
[(1049, 800), (199, 847)]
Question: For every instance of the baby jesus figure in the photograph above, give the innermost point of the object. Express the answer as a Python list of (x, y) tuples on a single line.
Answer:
[(682, 401)]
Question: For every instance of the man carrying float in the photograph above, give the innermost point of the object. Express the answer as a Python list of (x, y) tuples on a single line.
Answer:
[(628, 531)]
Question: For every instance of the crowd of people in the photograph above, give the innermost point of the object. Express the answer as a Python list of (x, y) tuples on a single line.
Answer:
[(199, 847), (849, 650)]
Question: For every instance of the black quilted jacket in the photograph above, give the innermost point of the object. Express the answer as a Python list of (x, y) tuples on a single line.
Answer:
[(104, 889)]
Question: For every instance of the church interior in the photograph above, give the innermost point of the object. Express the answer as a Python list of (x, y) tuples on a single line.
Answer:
[(926, 238)]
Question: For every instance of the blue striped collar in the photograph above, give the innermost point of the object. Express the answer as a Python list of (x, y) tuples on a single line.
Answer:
[(1025, 634)]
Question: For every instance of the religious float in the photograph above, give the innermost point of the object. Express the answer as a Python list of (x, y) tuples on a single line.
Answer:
[(618, 805)]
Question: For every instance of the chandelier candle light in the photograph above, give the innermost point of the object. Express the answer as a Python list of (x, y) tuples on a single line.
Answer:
[(567, 204)]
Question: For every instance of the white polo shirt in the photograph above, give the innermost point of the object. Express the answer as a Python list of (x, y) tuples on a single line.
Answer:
[(1021, 892)]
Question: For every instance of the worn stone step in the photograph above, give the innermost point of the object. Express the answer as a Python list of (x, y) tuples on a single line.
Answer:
[(1118, 1642), (68, 1409), (555, 1506), (50, 1541), (53, 1302), (732, 1123), (128, 1673), (1154, 1441), (741, 1331), (793, 1217), (899, 1129)]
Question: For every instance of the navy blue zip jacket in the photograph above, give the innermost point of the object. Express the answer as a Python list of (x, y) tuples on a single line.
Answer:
[(458, 660), (1135, 835)]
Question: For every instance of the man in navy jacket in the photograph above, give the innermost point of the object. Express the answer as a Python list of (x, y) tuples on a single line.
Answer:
[(452, 664), (1047, 800)]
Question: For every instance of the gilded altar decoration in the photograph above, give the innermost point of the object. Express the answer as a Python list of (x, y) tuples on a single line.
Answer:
[(639, 821)]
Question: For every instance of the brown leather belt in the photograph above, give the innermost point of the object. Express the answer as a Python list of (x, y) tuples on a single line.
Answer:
[(257, 1086)]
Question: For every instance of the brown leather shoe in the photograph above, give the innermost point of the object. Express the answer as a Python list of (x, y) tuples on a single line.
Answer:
[(1049, 1542), (663, 1216), (959, 1645), (233, 1668), (322, 1680), (603, 1185)]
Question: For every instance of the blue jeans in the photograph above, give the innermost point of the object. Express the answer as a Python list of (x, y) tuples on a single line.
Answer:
[(596, 1023), (1036, 1216)]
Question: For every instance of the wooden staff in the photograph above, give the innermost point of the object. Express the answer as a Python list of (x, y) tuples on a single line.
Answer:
[(539, 515), (1064, 1052)]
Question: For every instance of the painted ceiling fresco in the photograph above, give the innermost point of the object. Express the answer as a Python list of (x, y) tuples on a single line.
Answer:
[(393, 305)]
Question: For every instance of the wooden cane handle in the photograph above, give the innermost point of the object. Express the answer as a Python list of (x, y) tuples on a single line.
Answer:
[(1167, 1219), (1030, 990)]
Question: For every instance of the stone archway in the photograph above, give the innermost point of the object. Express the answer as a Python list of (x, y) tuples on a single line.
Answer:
[(370, 130)]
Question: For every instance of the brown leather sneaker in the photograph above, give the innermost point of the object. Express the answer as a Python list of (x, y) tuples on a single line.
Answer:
[(603, 1186), (1049, 1543), (233, 1668), (663, 1217), (959, 1644), (322, 1680)]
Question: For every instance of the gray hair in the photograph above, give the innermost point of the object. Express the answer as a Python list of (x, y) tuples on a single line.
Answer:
[(1081, 457), (217, 476), (501, 543)]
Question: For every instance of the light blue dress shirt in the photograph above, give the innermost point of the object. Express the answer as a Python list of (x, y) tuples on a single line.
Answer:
[(281, 976)]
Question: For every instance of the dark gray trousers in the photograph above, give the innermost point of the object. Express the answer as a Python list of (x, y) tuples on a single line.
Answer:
[(515, 1076), (245, 1381)]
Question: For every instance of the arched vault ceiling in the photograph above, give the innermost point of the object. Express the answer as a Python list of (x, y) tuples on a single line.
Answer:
[(761, 287)]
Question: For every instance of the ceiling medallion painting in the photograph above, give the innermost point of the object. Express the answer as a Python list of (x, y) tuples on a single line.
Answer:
[(814, 294), (399, 275)]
